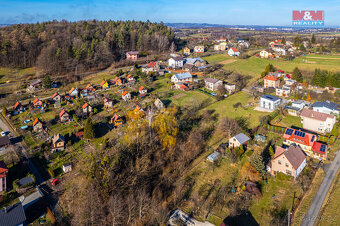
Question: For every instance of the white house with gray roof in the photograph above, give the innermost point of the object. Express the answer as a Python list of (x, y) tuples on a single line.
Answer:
[(269, 102), (181, 78), (326, 107), (176, 62), (238, 140), (212, 83)]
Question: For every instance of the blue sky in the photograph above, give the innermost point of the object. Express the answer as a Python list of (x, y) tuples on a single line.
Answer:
[(236, 12)]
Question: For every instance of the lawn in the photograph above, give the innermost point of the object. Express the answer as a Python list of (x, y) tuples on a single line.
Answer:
[(217, 58), (225, 108), (182, 99), (276, 194), (287, 121)]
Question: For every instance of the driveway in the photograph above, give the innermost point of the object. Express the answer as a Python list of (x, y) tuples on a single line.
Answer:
[(314, 208)]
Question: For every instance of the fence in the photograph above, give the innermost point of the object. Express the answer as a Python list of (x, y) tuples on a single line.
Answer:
[(279, 129)]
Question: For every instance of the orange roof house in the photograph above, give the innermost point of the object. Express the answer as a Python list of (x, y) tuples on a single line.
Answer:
[(16, 105), (85, 105), (3, 175), (271, 81), (142, 90), (37, 125), (116, 120), (64, 116), (37, 102)]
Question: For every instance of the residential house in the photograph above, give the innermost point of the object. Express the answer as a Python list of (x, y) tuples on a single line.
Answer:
[(3, 177), (37, 103), (186, 51), (269, 102), (326, 107), (238, 140), (64, 116), (126, 96), (181, 78), (31, 199), (212, 83), (282, 92), (34, 85), (87, 109), (37, 125), (132, 55), (159, 104), (233, 52), (196, 61), (176, 62), (230, 87), (297, 107), (199, 49), (271, 81), (131, 80), (116, 120), (108, 103), (13, 215), (73, 93), (151, 67), (142, 90), (18, 108), (290, 82), (56, 98), (89, 88), (189, 67), (290, 161), (220, 40), (307, 142), (4, 142), (58, 143), (104, 84), (243, 44), (220, 47), (67, 167), (266, 54), (317, 121)]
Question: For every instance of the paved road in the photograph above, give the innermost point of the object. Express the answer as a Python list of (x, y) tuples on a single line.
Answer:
[(314, 208)]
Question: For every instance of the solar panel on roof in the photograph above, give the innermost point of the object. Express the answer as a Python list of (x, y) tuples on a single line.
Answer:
[(289, 131), (323, 148)]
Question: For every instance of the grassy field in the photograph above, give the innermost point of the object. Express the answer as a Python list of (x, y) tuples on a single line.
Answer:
[(8, 75), (287, 121), (225, 108), (253, 66)]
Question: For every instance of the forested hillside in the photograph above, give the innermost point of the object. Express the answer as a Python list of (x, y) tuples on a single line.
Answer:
[(61, 47)]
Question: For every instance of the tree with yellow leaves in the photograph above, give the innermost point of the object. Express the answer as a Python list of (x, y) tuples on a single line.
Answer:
[(166, 126), (248, 171)]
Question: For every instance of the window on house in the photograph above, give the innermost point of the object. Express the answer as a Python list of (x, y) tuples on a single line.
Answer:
[(279, 162), (287, 164), (289, 172)]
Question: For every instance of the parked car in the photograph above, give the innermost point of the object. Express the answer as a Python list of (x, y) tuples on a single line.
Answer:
[(3, 133)]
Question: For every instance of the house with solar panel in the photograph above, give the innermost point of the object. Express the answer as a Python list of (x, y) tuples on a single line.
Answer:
[(326, 107), (269, 102), (307, 142)]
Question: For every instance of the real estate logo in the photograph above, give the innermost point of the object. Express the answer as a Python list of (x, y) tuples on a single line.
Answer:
[(308, 18)]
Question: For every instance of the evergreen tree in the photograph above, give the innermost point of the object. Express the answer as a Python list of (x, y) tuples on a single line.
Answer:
[(297, 75), (283, 40), (302, 48), (271, 151), (89, 129), (313, 39), (47, 83), (257, 161)]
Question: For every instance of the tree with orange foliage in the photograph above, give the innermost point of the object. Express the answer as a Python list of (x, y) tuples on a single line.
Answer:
[(249, 172), (309, 98)]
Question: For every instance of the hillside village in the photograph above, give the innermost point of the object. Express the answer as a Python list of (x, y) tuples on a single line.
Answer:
[(265, 137)]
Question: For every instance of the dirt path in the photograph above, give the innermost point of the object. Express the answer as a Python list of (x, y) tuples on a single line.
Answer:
[(229, 61), (326, 58)]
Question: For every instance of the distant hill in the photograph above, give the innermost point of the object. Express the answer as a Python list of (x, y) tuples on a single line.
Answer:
[(254, 27)]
